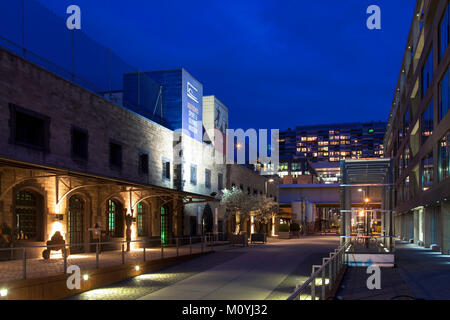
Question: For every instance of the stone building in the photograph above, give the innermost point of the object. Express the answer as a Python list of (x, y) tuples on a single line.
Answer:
[(71, 161)]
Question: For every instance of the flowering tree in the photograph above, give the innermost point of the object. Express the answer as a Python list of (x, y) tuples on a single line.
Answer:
[(266, 208), (238, 203), (244, 206)]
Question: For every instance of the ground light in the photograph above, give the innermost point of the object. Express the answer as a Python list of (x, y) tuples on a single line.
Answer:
[(85, 277), (4, 292)]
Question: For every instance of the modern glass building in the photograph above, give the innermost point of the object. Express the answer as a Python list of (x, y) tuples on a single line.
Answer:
[(418, 130)]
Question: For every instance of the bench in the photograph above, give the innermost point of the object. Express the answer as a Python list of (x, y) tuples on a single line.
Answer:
[(258, 237)]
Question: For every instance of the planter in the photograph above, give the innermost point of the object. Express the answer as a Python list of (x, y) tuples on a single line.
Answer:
[(284, 235)]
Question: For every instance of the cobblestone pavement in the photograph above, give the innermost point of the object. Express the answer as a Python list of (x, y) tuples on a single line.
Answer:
[(37, 268), (230, 273)]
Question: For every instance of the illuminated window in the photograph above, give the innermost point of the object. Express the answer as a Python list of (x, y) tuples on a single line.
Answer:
[(164, 225), (427, 122), (115, 219), (427, 171), (26, 216), (141, 220), (444, 157)]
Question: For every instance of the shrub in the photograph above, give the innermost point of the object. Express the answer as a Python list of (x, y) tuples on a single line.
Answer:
[(283, 228), (294, 227)]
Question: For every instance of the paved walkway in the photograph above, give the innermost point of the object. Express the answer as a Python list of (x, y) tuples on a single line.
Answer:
[(420, 274), (426, 273), (255, 272), (37, 268)]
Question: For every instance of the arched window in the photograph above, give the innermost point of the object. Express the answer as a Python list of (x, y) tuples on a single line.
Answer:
[(115, 219), (28, 216), (164, 225), (75, 223), (142, 221)]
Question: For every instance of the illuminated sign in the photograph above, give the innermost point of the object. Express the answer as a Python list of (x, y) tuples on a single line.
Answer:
[(192, 107)]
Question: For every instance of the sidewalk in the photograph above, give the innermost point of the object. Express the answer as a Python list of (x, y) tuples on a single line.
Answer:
[(419, 274), (38, 267)]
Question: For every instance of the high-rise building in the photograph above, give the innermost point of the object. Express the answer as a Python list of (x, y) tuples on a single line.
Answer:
[(332, 142), (418, 130)]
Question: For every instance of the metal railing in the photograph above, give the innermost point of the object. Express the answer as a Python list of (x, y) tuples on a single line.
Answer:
[(178, 246), (324, 278)]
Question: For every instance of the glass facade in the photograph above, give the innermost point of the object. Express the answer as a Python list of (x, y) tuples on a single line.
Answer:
[(427, 122), (444, 99), (427, 171), (427, 73), (444, 157), (444, 37)]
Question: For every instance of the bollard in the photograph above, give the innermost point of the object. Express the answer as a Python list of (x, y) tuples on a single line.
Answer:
[(123, 254), (144, 253), (97, 260), (24, 264), (190, 245), (162, 250), (177, 245), (323, 283), (65, 259)]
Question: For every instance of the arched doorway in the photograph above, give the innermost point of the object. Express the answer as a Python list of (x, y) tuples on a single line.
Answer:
[(207, 220), (28, 218), (75, 223), (115, 219), (164, 225)]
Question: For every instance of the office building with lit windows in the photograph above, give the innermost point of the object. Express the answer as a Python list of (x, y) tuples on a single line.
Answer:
[(332, 142), (324, 145), (418, 131)]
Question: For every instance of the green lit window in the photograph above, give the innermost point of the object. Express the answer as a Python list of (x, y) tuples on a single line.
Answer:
[(115, 219), (141, 220), (164, 226), (111, 217)]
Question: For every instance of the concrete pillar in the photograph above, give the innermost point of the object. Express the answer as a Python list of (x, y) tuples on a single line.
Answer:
[(416, 225), (428, 217), (445, 225)]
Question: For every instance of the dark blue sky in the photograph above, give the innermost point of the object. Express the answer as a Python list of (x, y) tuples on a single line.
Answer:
[(275, 64)]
